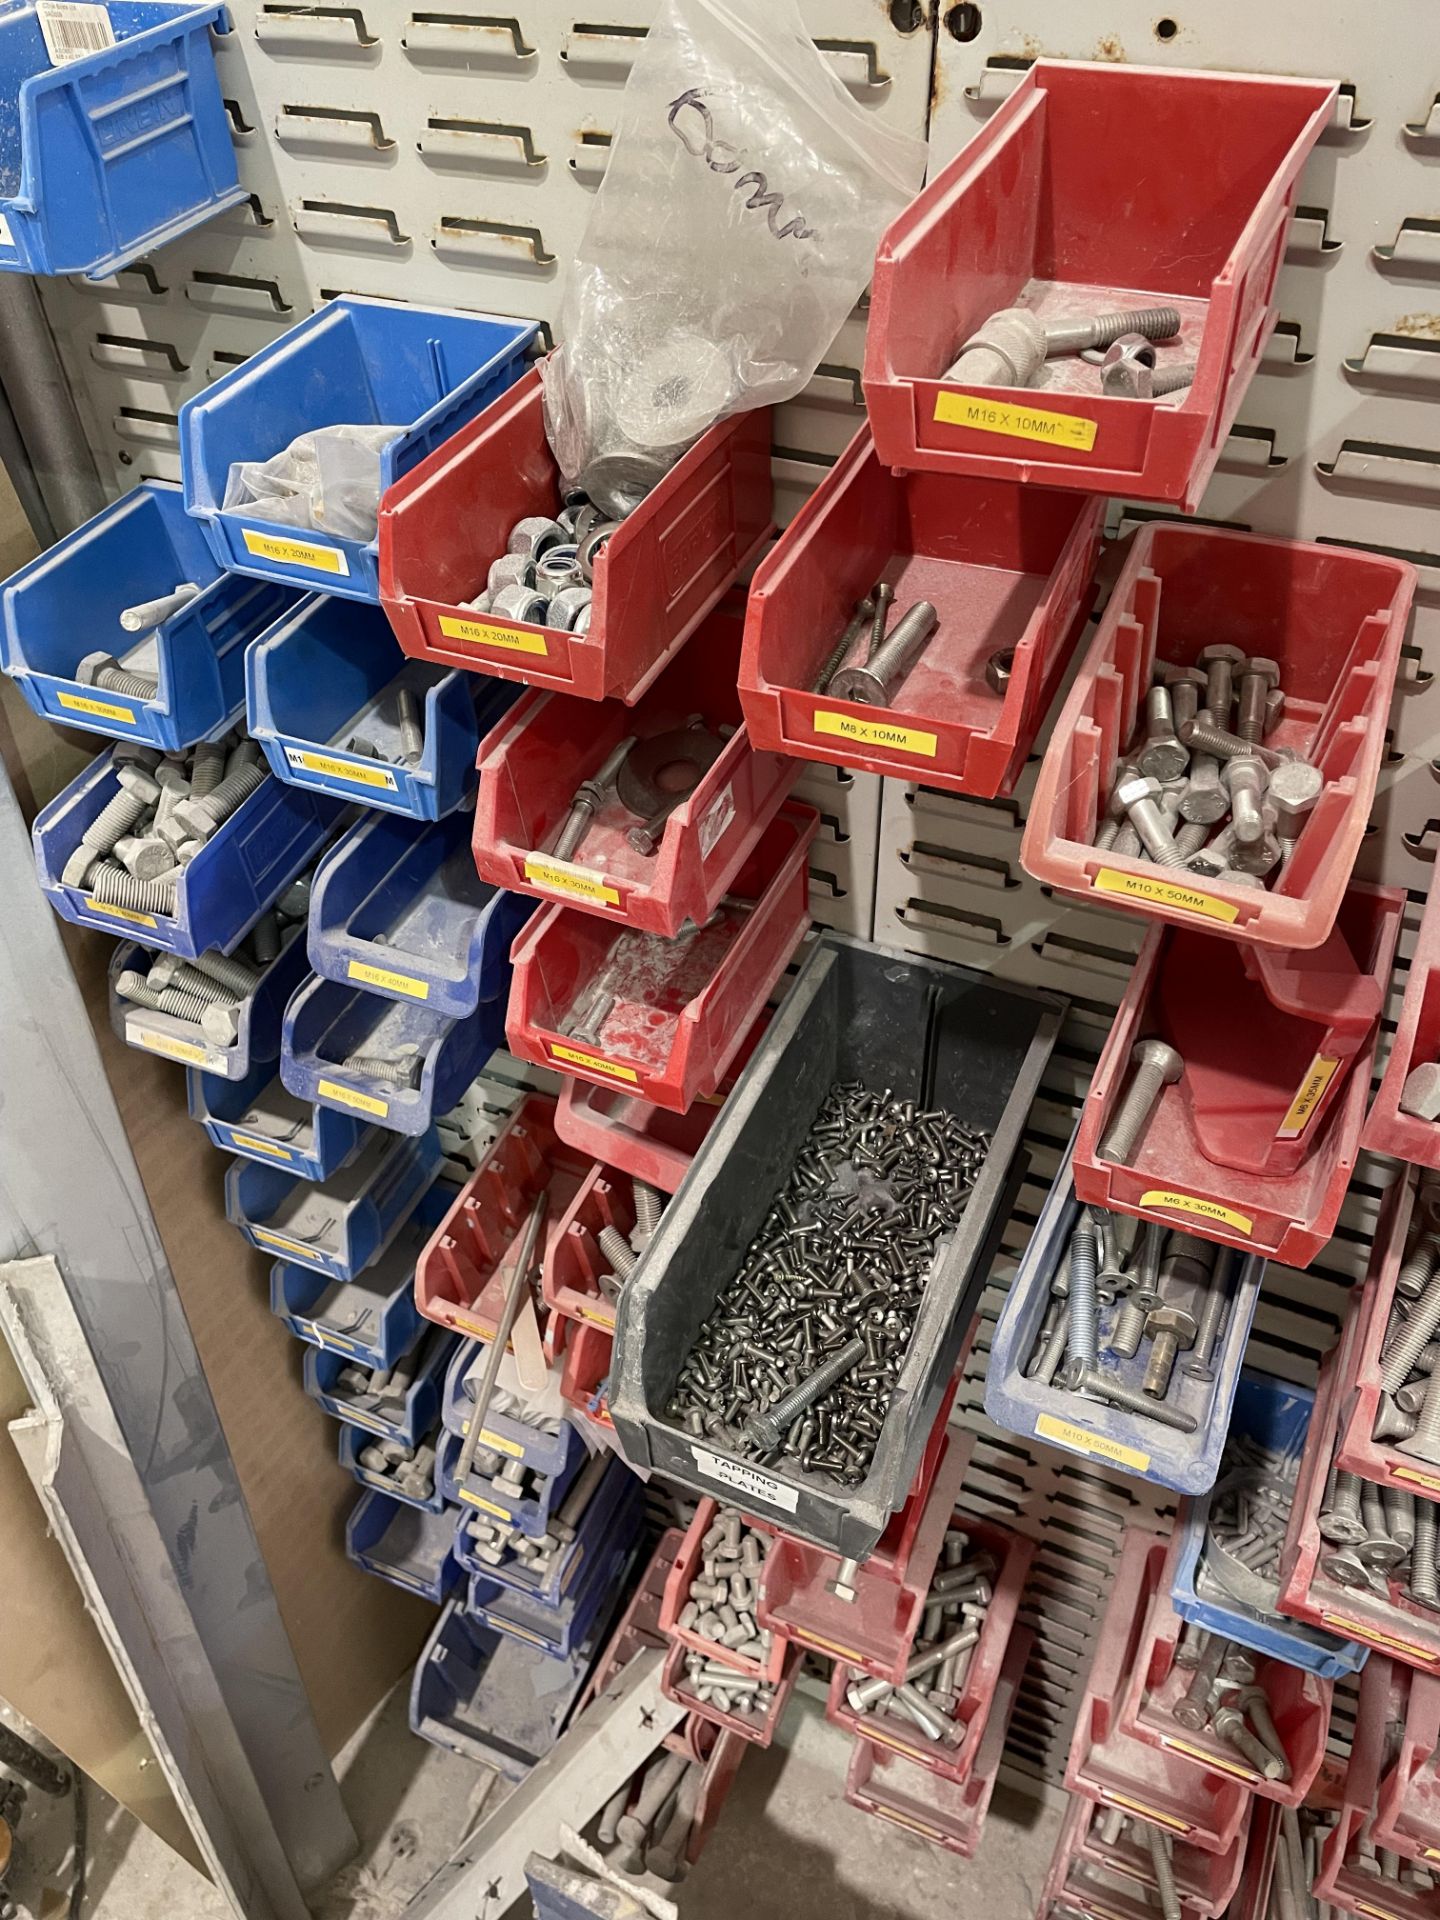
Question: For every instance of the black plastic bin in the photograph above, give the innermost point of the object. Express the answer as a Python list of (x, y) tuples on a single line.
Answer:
[(942, 1035)]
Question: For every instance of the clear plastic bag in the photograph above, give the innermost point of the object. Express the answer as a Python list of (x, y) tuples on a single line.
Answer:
[(328, 480), (732, 234)]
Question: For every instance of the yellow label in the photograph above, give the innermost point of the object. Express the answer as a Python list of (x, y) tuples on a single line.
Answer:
[(485, 1506), (348, 1097), (1089, 1906), (123, 913), (1015, 423), (915, 1826), (606, 1320), (168, 1044), (103, 709), (1303, 1108), (579, 882), (870, 1732), (481, 633), (361, 772), (371, 1425), (829, 1646), (1146, 1812), (1426, 1480), (294, 553), (328, 1339), (398, 1579), (1357, 1630), (1376, 1913), (473, 1327), (393, 982), (593, 1061), (875, 733), (495, 1441), (1202, 1209), (285, 1246), (249, 1141), (1209, 1759), (520, 1633), (1066, 1435), (1164, 893), (1431, 1853)]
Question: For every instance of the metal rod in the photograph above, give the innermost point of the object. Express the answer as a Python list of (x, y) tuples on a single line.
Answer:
[(514, 1293)]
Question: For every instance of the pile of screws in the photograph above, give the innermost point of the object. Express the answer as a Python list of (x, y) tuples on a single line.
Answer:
[(720, 1602), (1382, 1540), (950, 1630), (1187, 769), (136, 673), (1248, 1519), (886, 659), (410, 1469), (1170, 1289), (500, 1543), (1222, 1695), (167, 806), (651, 1836), (546, 575), (712, 1684), (644, 781), (1408, 1412), (383, 1390), (800, 1355), (1011, 348)]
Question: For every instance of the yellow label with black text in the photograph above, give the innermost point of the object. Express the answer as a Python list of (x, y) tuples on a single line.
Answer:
[(486, 1506), (362, 773), (1164, 893), (571, 1056), (248, 1142), (1081, 1441), (875, 733), (496, 1441), (1015, 423), (405, 983), (1426, 1480), (124, 913), (1356, 1630), (483, 633), (1202, 1209), (1211, 1760), (1147, 1812), (286, 1246), (348, 1097), (606, 1320), (830, 1647), (1431, 1853), (328, 1339), (1374, 1913), (167, 1043), (872, 1732), (294, 553), (520, 1633), (579, 882), (1306, 1104), (102, 709), (353, 1419)]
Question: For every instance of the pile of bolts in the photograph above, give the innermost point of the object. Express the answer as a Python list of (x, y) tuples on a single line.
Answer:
[(1132, 1846), (1247, 1523), (410, 1469), (1223, 1696), (1197, 794), (501, 1543), (720, 1601), (799, 1357), (393, 730), (1383, 1865), (1380, 1540), (545, 577), (623, 1252), (1407, 1415), (885, 658), (646, 1826), (136, 672)]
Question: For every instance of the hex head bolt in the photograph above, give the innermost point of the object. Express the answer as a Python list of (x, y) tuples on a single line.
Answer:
[(113, 678), (169, 970), (1293, 789), (1157, 1066), (1202, 734), (1162, 757), (618, 1251), (1083, 1337), (1220, 664), (1140, 799), (1192, 1709), (147, 859), (1424, 1575), (1243, 777), (138, 792), (1172, 1331), (198, 818), (587, 801), (391, 1073), (1105, 1387), (1253, 683), (1255, 1702), (207, 769), (235, 974), (1229, 1725), (114, 887), (873, 683), (1398, 1361), (765, 1431)]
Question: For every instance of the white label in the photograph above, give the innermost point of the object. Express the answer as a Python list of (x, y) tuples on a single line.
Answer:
[(72, 29), (7, 238), (718, 816), (745, 1479)]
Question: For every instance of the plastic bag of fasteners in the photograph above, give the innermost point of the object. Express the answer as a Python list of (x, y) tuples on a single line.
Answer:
[(732, 234), (328, 480)]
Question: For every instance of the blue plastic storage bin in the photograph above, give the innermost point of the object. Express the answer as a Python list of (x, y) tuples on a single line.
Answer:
[(354, 1441), (568, 1567), (540, 1452), (257, 1040), (372, 1318), (564, 1624), (1186, 1462), (399, 910), (530, 1512), (244, 867), (68, 602), (406, 1421), (260, 1120), (1277, 1415), (340, 1225), (109, 156), (403, 1544), (354, 363), (326, 1024), (329, 672)]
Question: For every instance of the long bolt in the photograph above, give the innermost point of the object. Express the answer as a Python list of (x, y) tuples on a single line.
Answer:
[(1200, 1365), (1105, 1387), (1160, 1860), (1399, 1359), (1075, 335), (232, 973), (395, 1073), (618, 1251), (1083, 1340), (1192, 1709), (839, 653), (884, 594), (1208, 738), (1162, 757), (150, 613), (412, 731), (117, 679), (873, 683), (1140, 798), (1424, 1575), (589, 798), (766, 1430), (114, 887), (1229, 1725), (114, 820), (1157, 1065)]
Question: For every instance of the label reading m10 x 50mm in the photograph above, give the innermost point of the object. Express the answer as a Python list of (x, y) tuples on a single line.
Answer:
[(747, 1480)]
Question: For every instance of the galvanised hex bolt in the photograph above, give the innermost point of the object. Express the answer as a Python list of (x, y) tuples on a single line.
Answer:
[(1192, 1709), (1171, 1330), (1255, 1703), (1294, 787), (1220, 664), (1157, 1065), (1140, 799), (1229, 1725), (1243, 777), (1162, 757), (1203, 735), (1253, 684)]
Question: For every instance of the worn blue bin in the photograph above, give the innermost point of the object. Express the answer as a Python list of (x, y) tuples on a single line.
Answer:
[(406, 1420), (108, 156), (329, 673), (530, 1511), (339, 1226), (258, 1016), (1277, 1415), (354, 363), (560, 1626), (1185, 1462), (67, 604), (543, 1453), (326, 1024), (260, 1120), (244, 867), (354, 1441), (400, 910), (403, 1544), (568, 1568)]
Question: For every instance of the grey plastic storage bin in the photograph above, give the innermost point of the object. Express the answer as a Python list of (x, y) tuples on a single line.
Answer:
[(942, 1035)]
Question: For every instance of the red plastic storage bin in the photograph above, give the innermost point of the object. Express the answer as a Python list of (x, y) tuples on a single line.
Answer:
[(647, 1142), (588, 1351), (1408, 1813), (677, 1593), (1300, 1705), (1331, 619), (658, 576), (1013, 1555), (1189, 1799), (573, 1260), (1339, 1880), (533, 761), (1416, 1044), (1056, 205), (1259, 1082), (681, 1009), (1008, 570), (950, 1813), (873, 1632), (1204, 1881), (459, 1281), (759, 1732)]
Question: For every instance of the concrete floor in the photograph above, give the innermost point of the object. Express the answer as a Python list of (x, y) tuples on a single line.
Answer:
[(786, 1845)]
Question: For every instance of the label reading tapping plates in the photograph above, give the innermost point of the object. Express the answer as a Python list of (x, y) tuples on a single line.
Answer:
[(1015, 423), (1306, 1104), (405, 983), (1202, 1209), (250, 1143), (875, 733), (1164, 893), (481, 633), (168, 1044), (294, 553), (759, 1486), (571, 1056), (1094, 1444), (347, 1097), (103, 709), (360, 773), (580, 883)]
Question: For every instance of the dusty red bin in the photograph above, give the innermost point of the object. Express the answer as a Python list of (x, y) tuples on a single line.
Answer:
[(1416, 1044), (1008, 569), (1056, 205), (1204, 1881), (588, 1352), (1382, 1700), (759, 1731), (1408, 1819), (677, 1593), (1332, 620), (647, 1142), (573, 1260), (1261, 1084), (532, 762), (681, 1009), (659, 575)]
